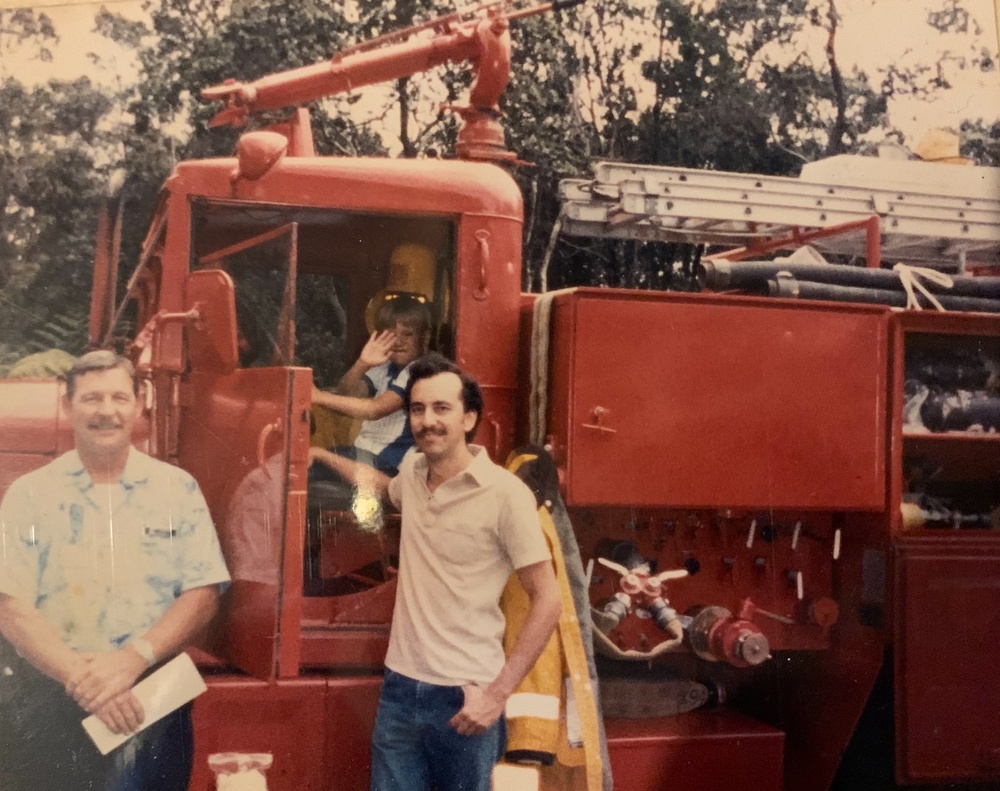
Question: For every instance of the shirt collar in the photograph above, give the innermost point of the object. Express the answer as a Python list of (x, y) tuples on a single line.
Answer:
[(136, 470), (478, 470), (480, 467)]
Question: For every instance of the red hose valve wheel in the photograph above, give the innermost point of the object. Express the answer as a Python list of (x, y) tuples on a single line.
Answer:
[(717, 636)]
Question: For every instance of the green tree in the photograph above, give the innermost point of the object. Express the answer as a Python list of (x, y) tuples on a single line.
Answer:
[(546, 131), (726, 85), (981, 142), (55, 144), (25, 35), (52, 180), (735, 88)]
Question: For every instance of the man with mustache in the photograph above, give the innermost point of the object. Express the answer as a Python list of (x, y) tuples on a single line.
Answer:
[(467, 525), (110, 566), (373, 389)]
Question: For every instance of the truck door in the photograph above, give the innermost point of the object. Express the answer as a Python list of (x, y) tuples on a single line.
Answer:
[(244, 432)]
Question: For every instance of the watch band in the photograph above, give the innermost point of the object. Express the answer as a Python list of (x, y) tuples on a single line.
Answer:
[(144, 648)]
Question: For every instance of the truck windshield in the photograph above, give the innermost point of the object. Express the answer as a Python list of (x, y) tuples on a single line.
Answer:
[(309, 281)]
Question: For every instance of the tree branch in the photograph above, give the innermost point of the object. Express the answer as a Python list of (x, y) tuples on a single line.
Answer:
[(835, 145)]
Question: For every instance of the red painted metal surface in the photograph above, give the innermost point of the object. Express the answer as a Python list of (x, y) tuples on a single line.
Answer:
[(488, 254), (712, 750), (35, 428), (946, 589), (316, 728), (947, 627), (731, 402), (14, 465), (31, 417), (345, 72), (212, 342), (103, 287), (287, 719), (244, 438), (686, 425), (369, 606), (350, 719), (407, 187), (345, 648), (729, 573), (488, 294), (872, 228)]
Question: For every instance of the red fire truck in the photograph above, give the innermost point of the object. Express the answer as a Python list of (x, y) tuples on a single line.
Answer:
[(754, 446)]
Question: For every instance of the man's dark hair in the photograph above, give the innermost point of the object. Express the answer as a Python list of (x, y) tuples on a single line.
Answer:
[(100, 360), (432, 364)]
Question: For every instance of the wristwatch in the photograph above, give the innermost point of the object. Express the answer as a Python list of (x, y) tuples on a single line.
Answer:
[(144, 648)]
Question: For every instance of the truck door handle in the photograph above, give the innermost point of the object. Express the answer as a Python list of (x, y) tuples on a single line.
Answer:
[(495, 425), (483, 246), (597, 415), (265, 434)]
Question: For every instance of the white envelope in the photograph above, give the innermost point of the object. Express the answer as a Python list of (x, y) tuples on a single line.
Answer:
[(160, 693)]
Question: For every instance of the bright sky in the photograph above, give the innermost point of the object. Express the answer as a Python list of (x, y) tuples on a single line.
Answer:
[(880, 32), (874, 33)]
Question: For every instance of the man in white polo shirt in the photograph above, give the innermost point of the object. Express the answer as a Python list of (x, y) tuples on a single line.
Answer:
[(467, 526)]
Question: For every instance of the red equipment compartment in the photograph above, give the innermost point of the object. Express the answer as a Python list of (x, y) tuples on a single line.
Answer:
[(719, 401), (946, 584), (947, 596), (767, 573), (310, 725), (713, 750), (350, 719)]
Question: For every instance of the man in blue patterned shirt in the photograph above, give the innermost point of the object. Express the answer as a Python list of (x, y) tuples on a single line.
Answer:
[(110, 565)]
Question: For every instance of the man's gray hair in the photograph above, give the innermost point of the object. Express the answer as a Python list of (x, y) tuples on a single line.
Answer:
[(100, 360)]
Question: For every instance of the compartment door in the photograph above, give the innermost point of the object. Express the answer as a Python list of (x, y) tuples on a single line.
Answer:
[(947, 604), (697, 402)]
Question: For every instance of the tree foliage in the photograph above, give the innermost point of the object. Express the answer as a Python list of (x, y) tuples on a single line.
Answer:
[(736, 88), (55, 150), (26, 34)]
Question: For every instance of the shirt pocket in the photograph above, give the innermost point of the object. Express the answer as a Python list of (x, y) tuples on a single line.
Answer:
[(157, 560), (465, 545)]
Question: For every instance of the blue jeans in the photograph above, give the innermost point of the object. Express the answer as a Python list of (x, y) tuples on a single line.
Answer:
[(159, 757), (413, 749)]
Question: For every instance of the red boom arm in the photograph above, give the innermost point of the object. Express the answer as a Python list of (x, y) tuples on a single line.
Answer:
[(479, 35)]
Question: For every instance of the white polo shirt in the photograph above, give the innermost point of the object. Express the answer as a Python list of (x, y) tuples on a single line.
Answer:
[(458, 547)]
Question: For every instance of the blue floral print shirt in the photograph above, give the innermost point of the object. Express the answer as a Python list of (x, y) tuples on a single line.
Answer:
[(104, 563)]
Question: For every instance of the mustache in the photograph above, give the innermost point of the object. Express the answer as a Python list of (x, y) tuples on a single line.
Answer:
[(103, 423), (424, 432)]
